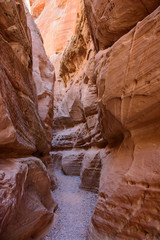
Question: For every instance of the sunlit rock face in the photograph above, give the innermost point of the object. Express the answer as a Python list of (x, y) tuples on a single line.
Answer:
[(111, 19), (128, 95), (26, 203), (57, 22), (68, 44)]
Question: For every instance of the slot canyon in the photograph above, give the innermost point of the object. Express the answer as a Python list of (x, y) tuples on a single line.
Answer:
[(79, 120)]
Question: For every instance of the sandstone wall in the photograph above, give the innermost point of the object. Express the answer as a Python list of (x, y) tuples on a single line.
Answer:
[(27, 204), (76, 131), (128, 94), (57, 22), (111, 19)]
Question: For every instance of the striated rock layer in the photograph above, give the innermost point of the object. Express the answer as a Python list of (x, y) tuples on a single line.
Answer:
[(128, 92), (26, 202), (111, 19)]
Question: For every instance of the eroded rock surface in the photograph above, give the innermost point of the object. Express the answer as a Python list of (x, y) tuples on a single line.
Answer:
[(128, 92), (111, 19), (76, 117), (26, 202)]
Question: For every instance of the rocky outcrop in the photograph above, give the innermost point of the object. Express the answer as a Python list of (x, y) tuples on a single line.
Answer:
[(72, 162), (128, 92), (27, 204), (111, 19)]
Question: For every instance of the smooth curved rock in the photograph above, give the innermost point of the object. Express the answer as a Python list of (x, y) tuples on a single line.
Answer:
[(27, 188), (44, 77), (19, 101), (26, 202), (37, 8), (128, 91)]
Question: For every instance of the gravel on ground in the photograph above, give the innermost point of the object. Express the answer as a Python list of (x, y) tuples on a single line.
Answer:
[(75, 207)]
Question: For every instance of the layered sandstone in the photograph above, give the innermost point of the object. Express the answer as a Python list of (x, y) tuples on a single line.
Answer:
[(111, 19), (27, 204), (128, 93)]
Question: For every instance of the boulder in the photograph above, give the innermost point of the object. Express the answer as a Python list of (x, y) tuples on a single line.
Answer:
[(91, 170), (72, 162), (27, 205)]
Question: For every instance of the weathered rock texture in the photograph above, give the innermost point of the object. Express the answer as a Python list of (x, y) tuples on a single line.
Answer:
[(111, 19), (26, 203), (128, 92)]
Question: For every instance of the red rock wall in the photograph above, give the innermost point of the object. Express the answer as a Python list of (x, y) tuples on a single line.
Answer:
[(26, 201), (111, 19), (57, 22)]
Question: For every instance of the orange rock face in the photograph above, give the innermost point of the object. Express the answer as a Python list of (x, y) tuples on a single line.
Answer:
[(37, 7), (128, 92), (57, 23), (26, 202), (111, 19)]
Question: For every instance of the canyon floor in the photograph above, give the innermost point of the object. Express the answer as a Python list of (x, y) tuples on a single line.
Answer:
[(75, 207)]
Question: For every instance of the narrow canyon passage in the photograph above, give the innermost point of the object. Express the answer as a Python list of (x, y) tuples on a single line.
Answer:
[(79, 91), (75, 207)]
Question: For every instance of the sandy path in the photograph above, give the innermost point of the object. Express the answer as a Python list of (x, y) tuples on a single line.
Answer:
[(75, 209)]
